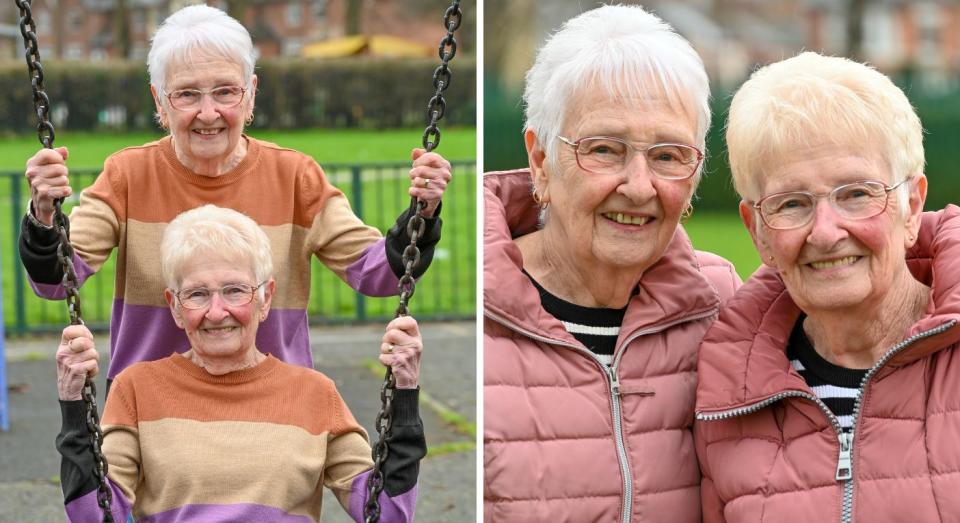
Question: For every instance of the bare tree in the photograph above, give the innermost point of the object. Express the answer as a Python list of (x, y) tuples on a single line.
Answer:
[(855, 9), (352, 19), (121, 30), (237, 9)]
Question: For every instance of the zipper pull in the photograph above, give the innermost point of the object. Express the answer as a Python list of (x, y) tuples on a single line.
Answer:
[(844, 462), (614, 381)]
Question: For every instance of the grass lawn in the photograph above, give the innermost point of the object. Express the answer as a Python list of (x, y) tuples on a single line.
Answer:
[(724, 234), (448, 289)]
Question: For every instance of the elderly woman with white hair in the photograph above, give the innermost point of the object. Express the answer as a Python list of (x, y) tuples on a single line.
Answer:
[(201, 65), (594, 299), (224, 431), (828, 386)]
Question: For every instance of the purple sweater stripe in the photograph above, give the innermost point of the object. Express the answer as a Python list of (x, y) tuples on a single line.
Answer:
[(56, 292), (397, 509), (214, 513), (371, 274), (85, 509), (149, 333)]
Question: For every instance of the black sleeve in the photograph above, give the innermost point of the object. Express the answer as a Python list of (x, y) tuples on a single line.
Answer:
[(397, 240), (38, 252), (76, 454), (407, 444)]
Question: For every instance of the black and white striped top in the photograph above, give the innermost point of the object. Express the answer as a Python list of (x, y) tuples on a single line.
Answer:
[(836, 386), (597, 328)]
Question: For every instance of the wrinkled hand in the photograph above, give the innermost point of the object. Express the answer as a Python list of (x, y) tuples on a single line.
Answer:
[(401, 350), (428, 179), (48, 177), (76, 359)]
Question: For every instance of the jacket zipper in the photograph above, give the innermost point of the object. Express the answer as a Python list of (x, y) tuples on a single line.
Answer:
[(614, 382), (845, 454)]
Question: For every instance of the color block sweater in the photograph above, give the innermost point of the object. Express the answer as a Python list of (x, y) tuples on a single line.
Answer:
[(253, 445), (141, 189)]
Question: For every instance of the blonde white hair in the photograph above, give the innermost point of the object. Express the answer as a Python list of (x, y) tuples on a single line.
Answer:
[(214, 232), (625, 51), (812, 100), (199, 31)]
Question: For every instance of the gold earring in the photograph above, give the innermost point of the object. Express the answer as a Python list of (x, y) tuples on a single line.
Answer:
[(248, 120), (686, 214), (538, 199)]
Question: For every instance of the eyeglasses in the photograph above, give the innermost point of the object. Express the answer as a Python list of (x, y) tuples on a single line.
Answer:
[(234, 294), (852, 201), (225, 97), (608, 155)]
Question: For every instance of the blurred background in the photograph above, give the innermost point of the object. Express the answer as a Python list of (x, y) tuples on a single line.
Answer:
[(917, 43)]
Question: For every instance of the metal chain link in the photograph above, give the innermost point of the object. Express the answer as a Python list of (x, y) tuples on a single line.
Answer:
[(45, 133), (411, 257)]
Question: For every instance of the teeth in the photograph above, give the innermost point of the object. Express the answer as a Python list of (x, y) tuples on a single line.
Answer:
[(207, 131), (619, 217), (829, 264)]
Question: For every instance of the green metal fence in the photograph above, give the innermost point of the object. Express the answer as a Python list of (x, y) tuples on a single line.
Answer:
[(377, 193)]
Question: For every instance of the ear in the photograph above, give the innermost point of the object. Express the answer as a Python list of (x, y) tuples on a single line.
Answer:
[(536, 157), (253, 97), (918, 195), (752, 223), (268, 289), (174, 310), (160, 110)]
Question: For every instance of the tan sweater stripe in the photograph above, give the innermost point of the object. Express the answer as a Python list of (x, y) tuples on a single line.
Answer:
[(335, 221), (215, 459), (291, 269)]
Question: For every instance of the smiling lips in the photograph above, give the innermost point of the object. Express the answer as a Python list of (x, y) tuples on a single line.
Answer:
[(627, 219), (831, 264), (207, 131)]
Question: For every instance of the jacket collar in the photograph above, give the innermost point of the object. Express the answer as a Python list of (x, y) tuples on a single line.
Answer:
[(742, 358), (670, 291)]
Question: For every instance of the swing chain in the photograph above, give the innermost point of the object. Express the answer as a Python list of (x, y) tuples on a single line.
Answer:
[(442, 76), (416, 226), (45, 133)]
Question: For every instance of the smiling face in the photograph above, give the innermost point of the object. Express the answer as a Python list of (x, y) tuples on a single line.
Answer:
[(614, 221), (220, 332), (207, 139), (833, 263)]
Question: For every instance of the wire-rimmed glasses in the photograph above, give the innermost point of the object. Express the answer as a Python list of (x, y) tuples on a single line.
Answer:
[(224, 96), (609, 155), (852, 201), (234, 295)]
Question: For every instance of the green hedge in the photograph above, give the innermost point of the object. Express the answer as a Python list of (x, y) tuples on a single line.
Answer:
[(503, 145), (292, 94)]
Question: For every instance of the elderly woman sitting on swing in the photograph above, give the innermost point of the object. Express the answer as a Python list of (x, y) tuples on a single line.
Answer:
[(225, 432)]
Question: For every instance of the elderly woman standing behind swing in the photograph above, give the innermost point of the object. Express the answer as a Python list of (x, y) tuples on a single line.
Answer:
[(592, 320), (225, 432), (201, 66)]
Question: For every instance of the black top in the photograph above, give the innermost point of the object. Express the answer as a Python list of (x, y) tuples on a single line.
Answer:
[(596, 327), (838, 387)]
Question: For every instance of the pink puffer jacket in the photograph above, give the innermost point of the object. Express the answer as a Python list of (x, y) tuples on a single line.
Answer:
[(769, 450), (564, 441)]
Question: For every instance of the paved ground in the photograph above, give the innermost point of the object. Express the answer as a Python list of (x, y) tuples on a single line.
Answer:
[(29, 463)]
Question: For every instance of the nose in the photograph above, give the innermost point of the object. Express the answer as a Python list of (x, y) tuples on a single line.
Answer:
[(208, 109), (637, 182), (827, 226), (217, 311)]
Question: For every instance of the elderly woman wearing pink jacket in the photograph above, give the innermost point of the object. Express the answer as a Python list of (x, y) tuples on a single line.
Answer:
[(594, 300), (830, 386)]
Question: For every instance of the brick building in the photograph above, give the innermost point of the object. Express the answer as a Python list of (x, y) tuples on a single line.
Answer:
[(92, 29)]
